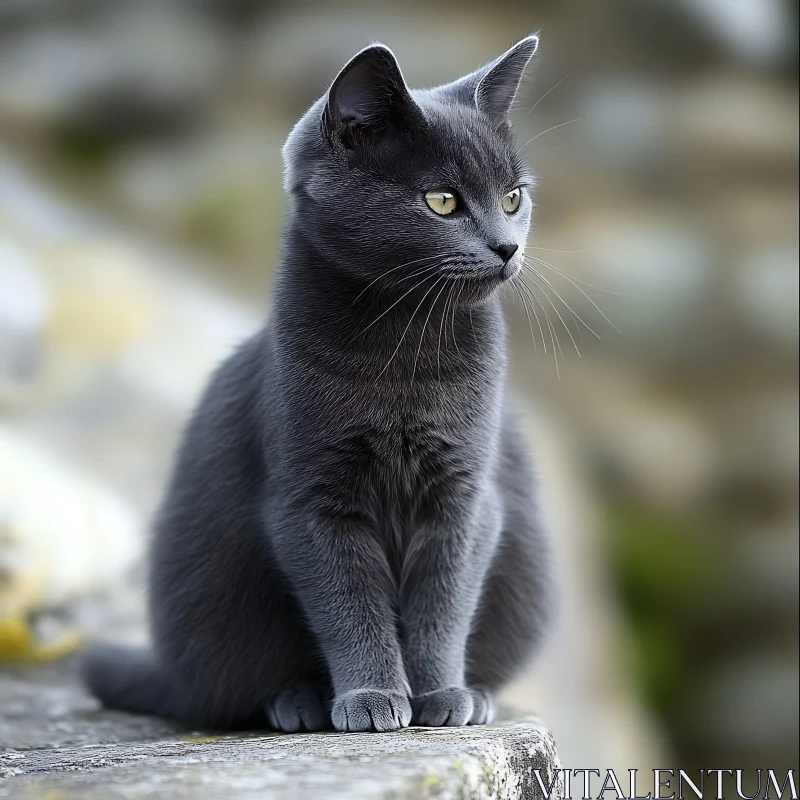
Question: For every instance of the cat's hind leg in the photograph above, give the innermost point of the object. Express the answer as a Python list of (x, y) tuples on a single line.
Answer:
[(129, 679), (515, 612), (302, 707)]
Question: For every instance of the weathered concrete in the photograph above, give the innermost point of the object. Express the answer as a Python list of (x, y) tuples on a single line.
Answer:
[(56, 743)]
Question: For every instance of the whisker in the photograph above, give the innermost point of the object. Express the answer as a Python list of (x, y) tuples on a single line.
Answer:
[(552, 250), (564, 274), (566, 304), (535, 315), (538, 324), (443, 281), (545, 94), (410, 320), (579, 329), (545, 149), (415, 286), (560, 125), (439, 342), (553, 337), (558, 313), (527, 314), (474, 336), (567, 277), (453, 318), (400, 266), (417, 272)]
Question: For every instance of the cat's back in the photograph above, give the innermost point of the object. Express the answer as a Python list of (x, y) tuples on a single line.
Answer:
[(220, 462)]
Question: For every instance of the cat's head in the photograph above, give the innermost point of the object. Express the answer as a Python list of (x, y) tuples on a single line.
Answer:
[(414, 188)]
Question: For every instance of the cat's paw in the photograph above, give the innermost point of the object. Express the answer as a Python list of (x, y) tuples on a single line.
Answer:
[(446, 707), (371, 710), (483, 708), (298, 708)]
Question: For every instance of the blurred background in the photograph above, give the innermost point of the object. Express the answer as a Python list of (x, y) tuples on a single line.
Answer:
[(140, 206)]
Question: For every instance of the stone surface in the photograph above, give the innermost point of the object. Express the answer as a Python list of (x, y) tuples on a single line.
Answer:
[(56, 742)]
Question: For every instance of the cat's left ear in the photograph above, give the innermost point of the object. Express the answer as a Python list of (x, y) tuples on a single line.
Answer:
[(492, 88), (368, 98)]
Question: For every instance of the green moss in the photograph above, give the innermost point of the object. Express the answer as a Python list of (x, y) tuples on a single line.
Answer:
[(81, 148), (235, 216), (668, 569)]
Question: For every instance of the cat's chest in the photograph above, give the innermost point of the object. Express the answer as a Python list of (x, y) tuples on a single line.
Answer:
[(424, 444), (422, 464), (420, 447)]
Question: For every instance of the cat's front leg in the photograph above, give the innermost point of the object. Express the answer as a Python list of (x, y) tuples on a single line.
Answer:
[(440, 590), (343, 583)]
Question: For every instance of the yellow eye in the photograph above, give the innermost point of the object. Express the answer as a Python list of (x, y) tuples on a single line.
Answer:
[(441, 202), (511, 201)]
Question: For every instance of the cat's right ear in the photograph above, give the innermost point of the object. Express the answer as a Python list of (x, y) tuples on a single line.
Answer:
[(492, 88), (369, 99)]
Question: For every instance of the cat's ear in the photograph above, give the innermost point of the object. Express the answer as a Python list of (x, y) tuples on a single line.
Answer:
[(493, 87), (369, 96)]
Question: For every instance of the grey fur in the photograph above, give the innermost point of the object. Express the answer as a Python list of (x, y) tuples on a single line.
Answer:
[(350, 535)]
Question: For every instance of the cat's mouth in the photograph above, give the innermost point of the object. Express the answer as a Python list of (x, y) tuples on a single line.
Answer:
[(490, 277), (475, 287)]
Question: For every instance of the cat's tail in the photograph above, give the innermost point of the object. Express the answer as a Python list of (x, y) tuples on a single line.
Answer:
[(126, 678)]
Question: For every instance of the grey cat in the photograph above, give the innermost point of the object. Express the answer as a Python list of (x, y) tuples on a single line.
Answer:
[(350, 538)]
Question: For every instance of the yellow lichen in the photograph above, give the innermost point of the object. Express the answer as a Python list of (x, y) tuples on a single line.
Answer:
[(18, 643), (202, 739)]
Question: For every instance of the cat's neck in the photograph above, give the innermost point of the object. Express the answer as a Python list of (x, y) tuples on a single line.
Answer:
[(340, 321)]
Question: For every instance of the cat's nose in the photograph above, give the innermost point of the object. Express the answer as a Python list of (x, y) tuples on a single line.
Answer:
[(505, 251)]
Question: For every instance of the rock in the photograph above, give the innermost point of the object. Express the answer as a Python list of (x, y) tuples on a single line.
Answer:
[(661, 264), (432, 47), (23, 299), (221, 191), (663, 449), (128, 70), (748, 701), (61, 534), (660, 268), (758, 433), (758, 31), (24, 306), (723, 120), (767, 294), (768, 577), (58, 744), (32, 210), (125, 334), (637, 142)]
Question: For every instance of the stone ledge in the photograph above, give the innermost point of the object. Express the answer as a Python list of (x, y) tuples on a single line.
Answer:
[(480, 762), (56, 743)]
